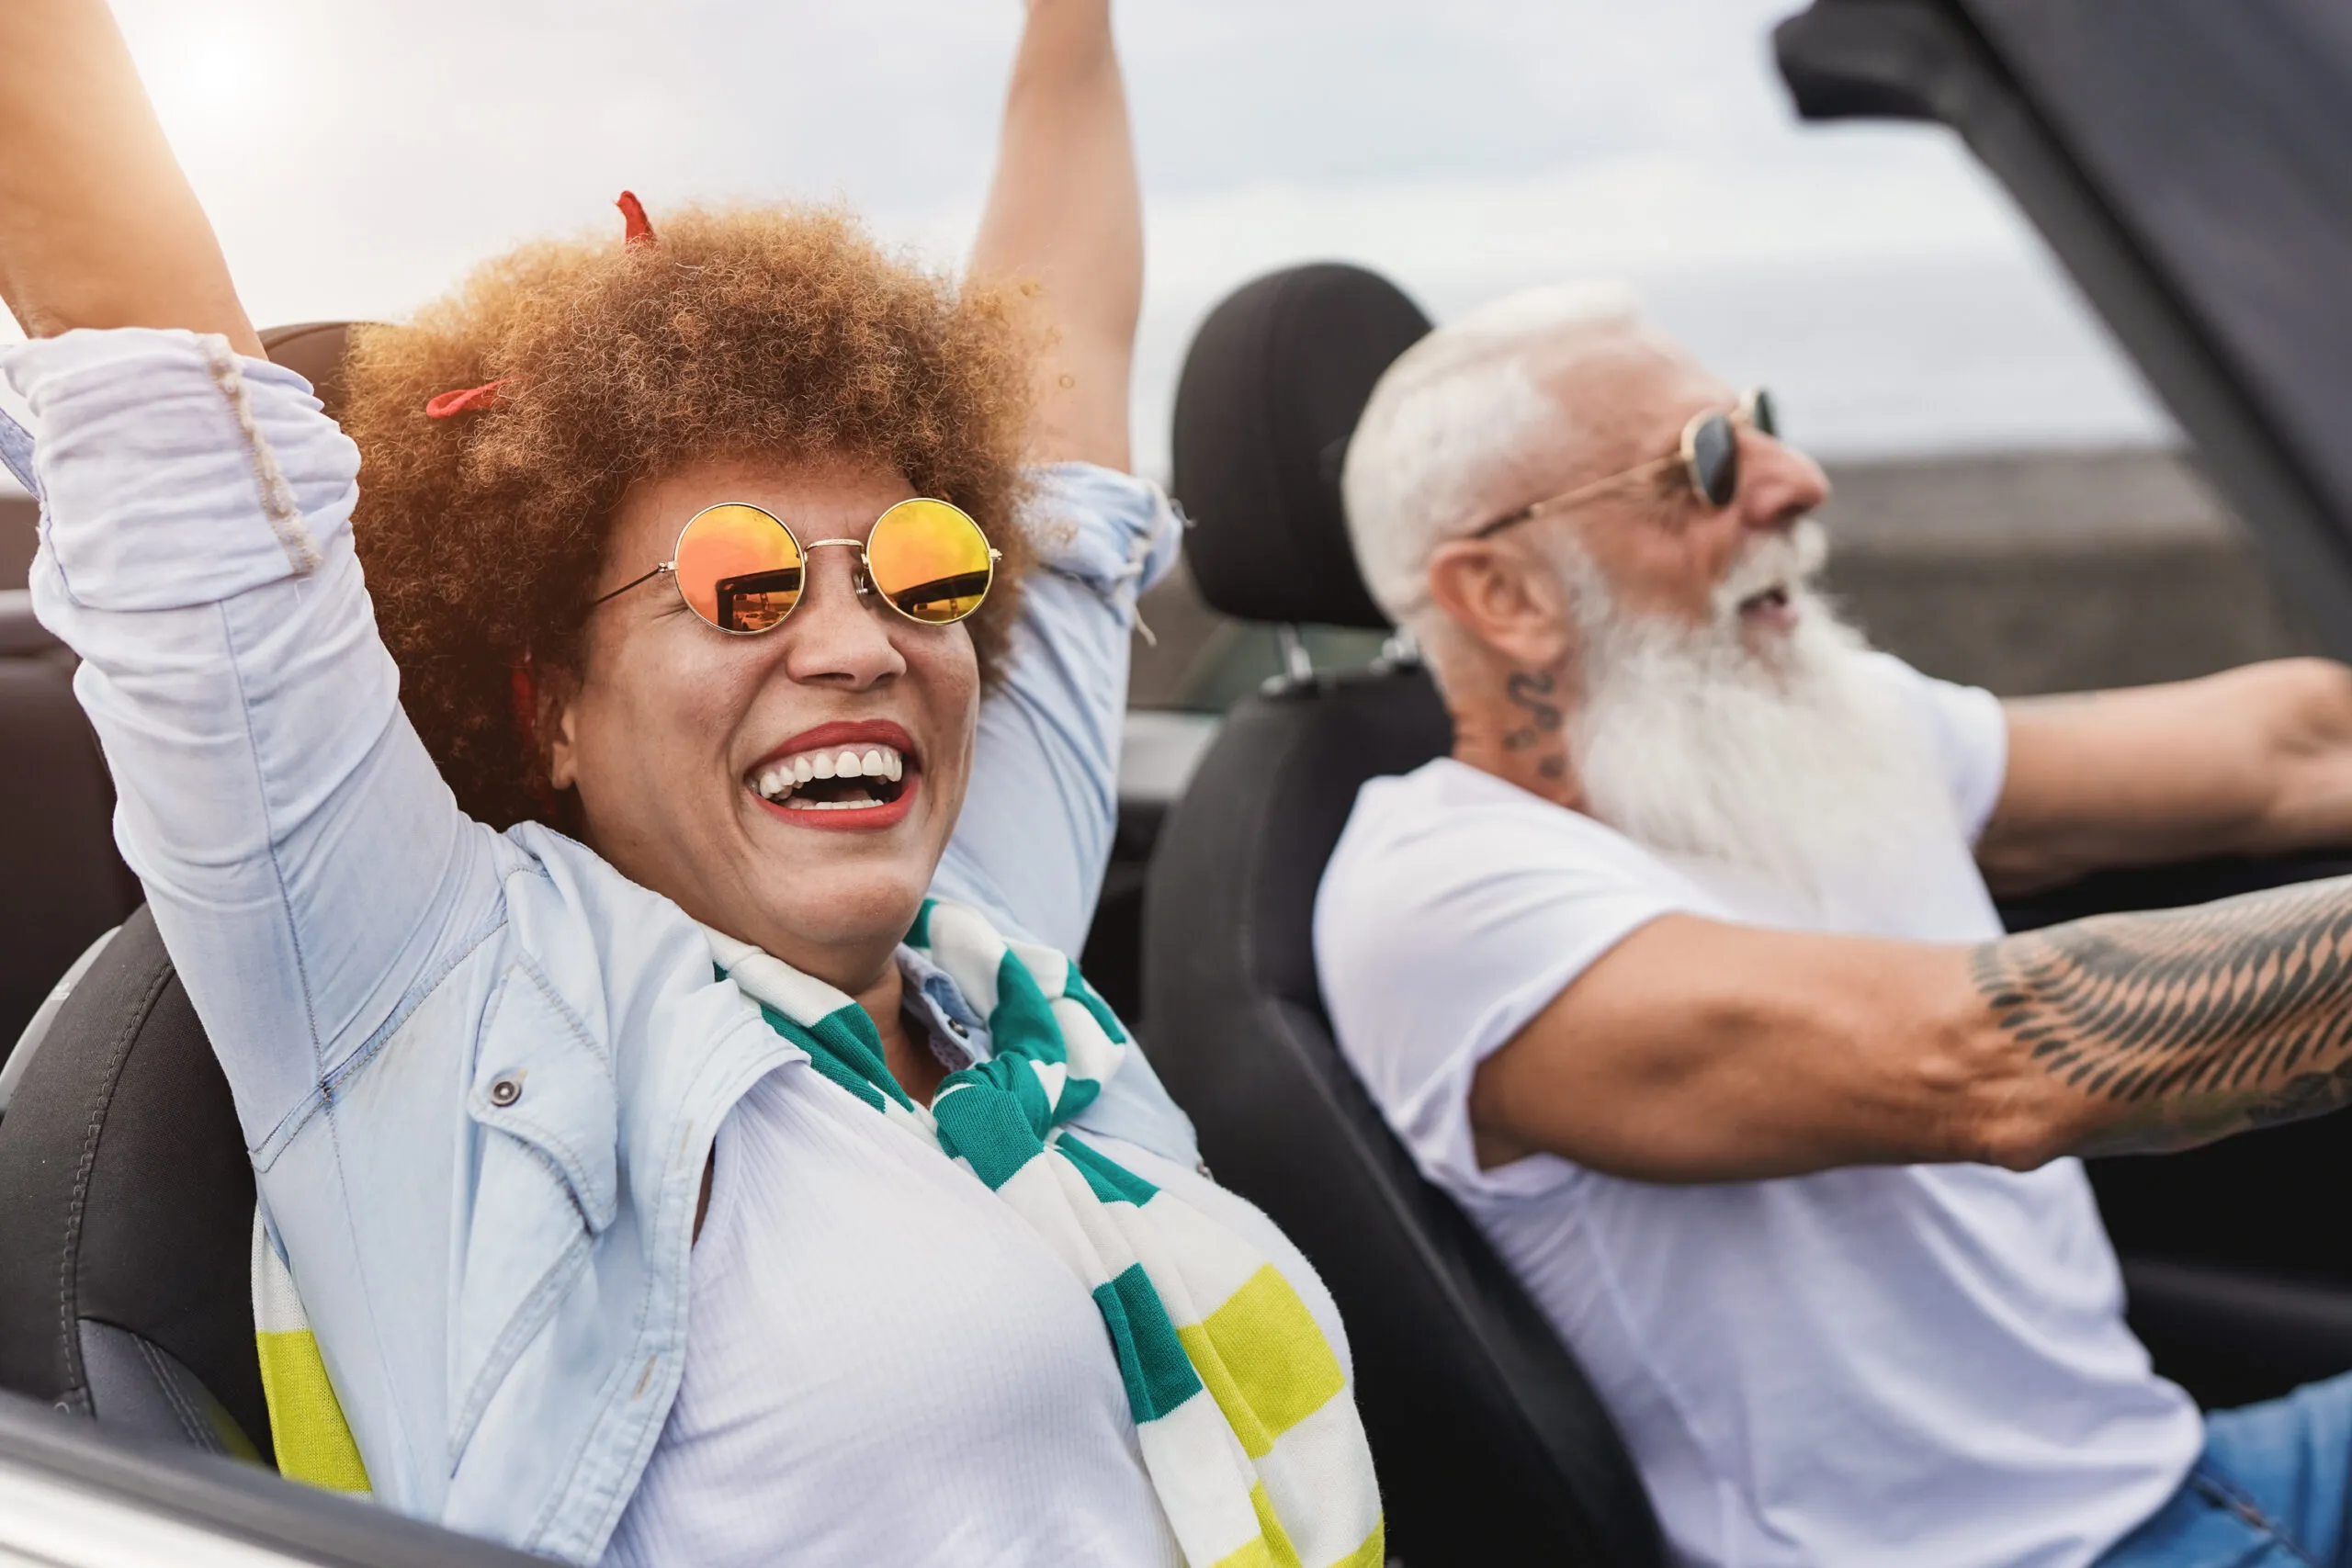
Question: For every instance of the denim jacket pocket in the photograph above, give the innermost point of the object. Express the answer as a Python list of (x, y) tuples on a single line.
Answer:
[(546, 1127)]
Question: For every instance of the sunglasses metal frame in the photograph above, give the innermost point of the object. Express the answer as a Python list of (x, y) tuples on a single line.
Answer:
[(1752, 403), (865, 581)]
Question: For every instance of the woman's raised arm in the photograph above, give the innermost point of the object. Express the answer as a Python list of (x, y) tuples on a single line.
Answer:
[(98, 225), (306, 864), (1065, 209)]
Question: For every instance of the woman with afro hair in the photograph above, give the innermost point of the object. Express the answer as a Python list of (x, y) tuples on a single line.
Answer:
[(619, 804)]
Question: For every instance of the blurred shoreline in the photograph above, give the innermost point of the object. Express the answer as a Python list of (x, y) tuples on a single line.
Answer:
[(2027, 571)]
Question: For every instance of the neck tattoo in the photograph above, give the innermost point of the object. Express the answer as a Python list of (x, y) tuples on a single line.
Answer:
[(1532, 691)]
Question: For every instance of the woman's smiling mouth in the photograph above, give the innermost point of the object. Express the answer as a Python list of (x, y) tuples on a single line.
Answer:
[(842, 775)]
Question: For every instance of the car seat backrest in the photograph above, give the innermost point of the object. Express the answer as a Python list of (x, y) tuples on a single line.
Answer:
[(314, 351), (1491, 1444), (61, 884), (126, 1214)]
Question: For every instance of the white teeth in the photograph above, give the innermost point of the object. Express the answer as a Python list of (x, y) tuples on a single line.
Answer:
[(779, 779)]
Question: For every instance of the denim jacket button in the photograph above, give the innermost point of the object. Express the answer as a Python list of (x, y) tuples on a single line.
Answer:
[(506, 1092), (957, 1025)]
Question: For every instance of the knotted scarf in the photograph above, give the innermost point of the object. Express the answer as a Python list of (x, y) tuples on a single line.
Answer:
[(1244, 1414)]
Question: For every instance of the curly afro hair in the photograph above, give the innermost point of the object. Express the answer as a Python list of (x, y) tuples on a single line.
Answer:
[(758, 331)]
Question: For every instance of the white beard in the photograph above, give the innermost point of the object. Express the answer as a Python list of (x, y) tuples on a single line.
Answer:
[(1793, 760)]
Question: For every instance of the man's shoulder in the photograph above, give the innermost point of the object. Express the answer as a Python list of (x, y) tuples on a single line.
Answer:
[(1449, 814), (1449, 856), (1455, 909), (1945, 704), (1964, 729)]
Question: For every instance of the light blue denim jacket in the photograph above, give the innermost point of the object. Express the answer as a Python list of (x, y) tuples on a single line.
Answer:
[(498, 1290)]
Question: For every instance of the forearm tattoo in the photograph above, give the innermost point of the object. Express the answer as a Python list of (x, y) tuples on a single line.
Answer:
[(2203, 1021)]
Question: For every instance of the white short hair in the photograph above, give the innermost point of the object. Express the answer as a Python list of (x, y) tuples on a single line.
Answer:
[(1455, 407)]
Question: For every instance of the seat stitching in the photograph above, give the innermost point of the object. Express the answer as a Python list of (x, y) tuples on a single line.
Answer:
[(198, 1431), (78, 1198)]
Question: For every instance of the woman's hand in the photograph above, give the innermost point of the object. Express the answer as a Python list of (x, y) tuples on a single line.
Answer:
[(1065, 209), (98, 225)]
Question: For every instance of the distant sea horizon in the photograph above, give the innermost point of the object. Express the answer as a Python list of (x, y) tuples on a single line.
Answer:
[(1878, 358)]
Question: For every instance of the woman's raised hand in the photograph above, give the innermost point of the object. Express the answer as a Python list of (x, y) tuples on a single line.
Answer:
[(1066, 209), (98, 226)]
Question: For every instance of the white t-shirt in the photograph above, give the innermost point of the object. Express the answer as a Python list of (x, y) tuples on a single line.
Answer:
[(1916, 1364), (887, 1365)]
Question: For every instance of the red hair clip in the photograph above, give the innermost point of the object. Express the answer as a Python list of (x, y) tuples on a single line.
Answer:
[(639, 229), (450, 404)]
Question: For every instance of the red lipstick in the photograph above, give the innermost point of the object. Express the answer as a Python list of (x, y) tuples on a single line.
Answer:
[(848, 735), (845, 732)]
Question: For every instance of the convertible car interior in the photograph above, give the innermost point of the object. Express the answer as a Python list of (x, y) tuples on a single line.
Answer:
[(1491, 1444), (125, 1200)]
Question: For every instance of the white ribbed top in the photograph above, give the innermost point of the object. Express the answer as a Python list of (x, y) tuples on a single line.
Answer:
[(885, 1366)]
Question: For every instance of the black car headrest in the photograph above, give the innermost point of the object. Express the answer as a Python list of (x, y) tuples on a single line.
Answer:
[(1271, 388), (312, 350)]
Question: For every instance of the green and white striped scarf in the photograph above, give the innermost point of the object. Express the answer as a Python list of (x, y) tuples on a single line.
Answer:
[(1248, 1425), (1247, 1422)]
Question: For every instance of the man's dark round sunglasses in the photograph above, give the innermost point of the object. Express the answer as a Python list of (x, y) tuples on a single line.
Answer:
[(1708, 456)]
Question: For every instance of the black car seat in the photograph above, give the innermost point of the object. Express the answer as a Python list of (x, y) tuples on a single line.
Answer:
[(126, 1199), (65, 885), (126, 1215), (1492, 1446), (314, 350)]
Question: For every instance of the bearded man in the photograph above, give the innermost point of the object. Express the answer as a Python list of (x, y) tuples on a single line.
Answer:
[(1681, 975)]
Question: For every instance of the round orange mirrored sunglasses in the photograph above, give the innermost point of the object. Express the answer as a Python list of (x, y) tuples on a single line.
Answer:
[(740, 568)]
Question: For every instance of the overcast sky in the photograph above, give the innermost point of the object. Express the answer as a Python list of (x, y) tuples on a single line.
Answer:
[(357, 156)]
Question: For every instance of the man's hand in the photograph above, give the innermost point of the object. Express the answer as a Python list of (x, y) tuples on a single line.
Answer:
[(98, 225), (1065, 210), (2254, 761)]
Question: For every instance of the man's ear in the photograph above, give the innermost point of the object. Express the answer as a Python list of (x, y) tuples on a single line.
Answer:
[(556, 704), (1508, 602)]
